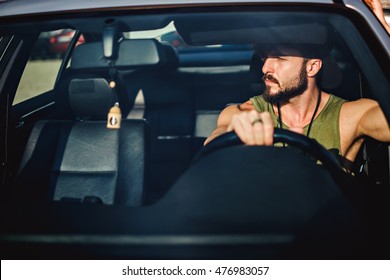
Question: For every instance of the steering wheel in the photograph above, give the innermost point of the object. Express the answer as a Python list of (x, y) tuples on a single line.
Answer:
[(306, 144)]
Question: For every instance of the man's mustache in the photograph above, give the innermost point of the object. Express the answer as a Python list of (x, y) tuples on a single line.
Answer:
[(270, 78)]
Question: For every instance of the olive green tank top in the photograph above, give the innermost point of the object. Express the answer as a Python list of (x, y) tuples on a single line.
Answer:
[(325, 127)]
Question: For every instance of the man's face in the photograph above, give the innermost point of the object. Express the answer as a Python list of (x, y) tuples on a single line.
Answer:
[(284, 76)]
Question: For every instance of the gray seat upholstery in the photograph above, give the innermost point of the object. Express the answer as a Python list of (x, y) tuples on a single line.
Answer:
[(84, 161)]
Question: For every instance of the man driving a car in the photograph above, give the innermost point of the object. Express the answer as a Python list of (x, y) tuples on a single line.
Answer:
[(293, 100)]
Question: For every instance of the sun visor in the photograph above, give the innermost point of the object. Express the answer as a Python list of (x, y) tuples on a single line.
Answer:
[(222, 32)]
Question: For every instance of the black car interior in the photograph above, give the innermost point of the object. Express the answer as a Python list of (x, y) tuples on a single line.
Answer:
[(78, 159), (170, 100)]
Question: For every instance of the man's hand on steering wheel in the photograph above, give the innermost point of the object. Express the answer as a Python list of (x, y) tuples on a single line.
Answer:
[(254, 128), (257, 129)]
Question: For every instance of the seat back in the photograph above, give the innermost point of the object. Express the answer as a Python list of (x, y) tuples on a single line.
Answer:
[(168, 107)]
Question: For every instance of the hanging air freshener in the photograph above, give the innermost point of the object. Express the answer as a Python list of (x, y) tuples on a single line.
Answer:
[(114, 117)]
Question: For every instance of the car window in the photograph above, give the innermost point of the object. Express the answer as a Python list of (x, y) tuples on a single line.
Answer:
[(45, 61), (151, 188)]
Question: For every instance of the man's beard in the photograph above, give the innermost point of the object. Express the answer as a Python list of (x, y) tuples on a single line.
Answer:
[(288, 92)]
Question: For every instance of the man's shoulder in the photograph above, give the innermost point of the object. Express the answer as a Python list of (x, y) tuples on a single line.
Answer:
[(359, 106), (336, 99), (362, 102)]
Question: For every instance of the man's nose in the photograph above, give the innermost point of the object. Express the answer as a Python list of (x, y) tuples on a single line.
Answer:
[(267, 65)]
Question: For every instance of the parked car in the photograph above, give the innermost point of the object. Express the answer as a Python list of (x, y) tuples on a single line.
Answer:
[(59, 42), (54, 44), (109, 162)]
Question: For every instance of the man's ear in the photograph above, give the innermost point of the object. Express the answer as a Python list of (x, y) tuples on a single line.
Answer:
[(313, 66)]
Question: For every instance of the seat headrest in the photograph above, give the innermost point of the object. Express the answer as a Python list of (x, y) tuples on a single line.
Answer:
[(91, 98), (132, 53), (172, 60)]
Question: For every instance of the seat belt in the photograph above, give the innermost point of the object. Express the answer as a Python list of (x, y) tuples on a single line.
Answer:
[(364, 166)]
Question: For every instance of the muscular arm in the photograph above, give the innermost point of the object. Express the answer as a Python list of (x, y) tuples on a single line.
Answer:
[(361, 118), (376, 7), (373, 123)]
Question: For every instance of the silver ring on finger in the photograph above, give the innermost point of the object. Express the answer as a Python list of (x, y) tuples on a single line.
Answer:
[(258, 120)]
